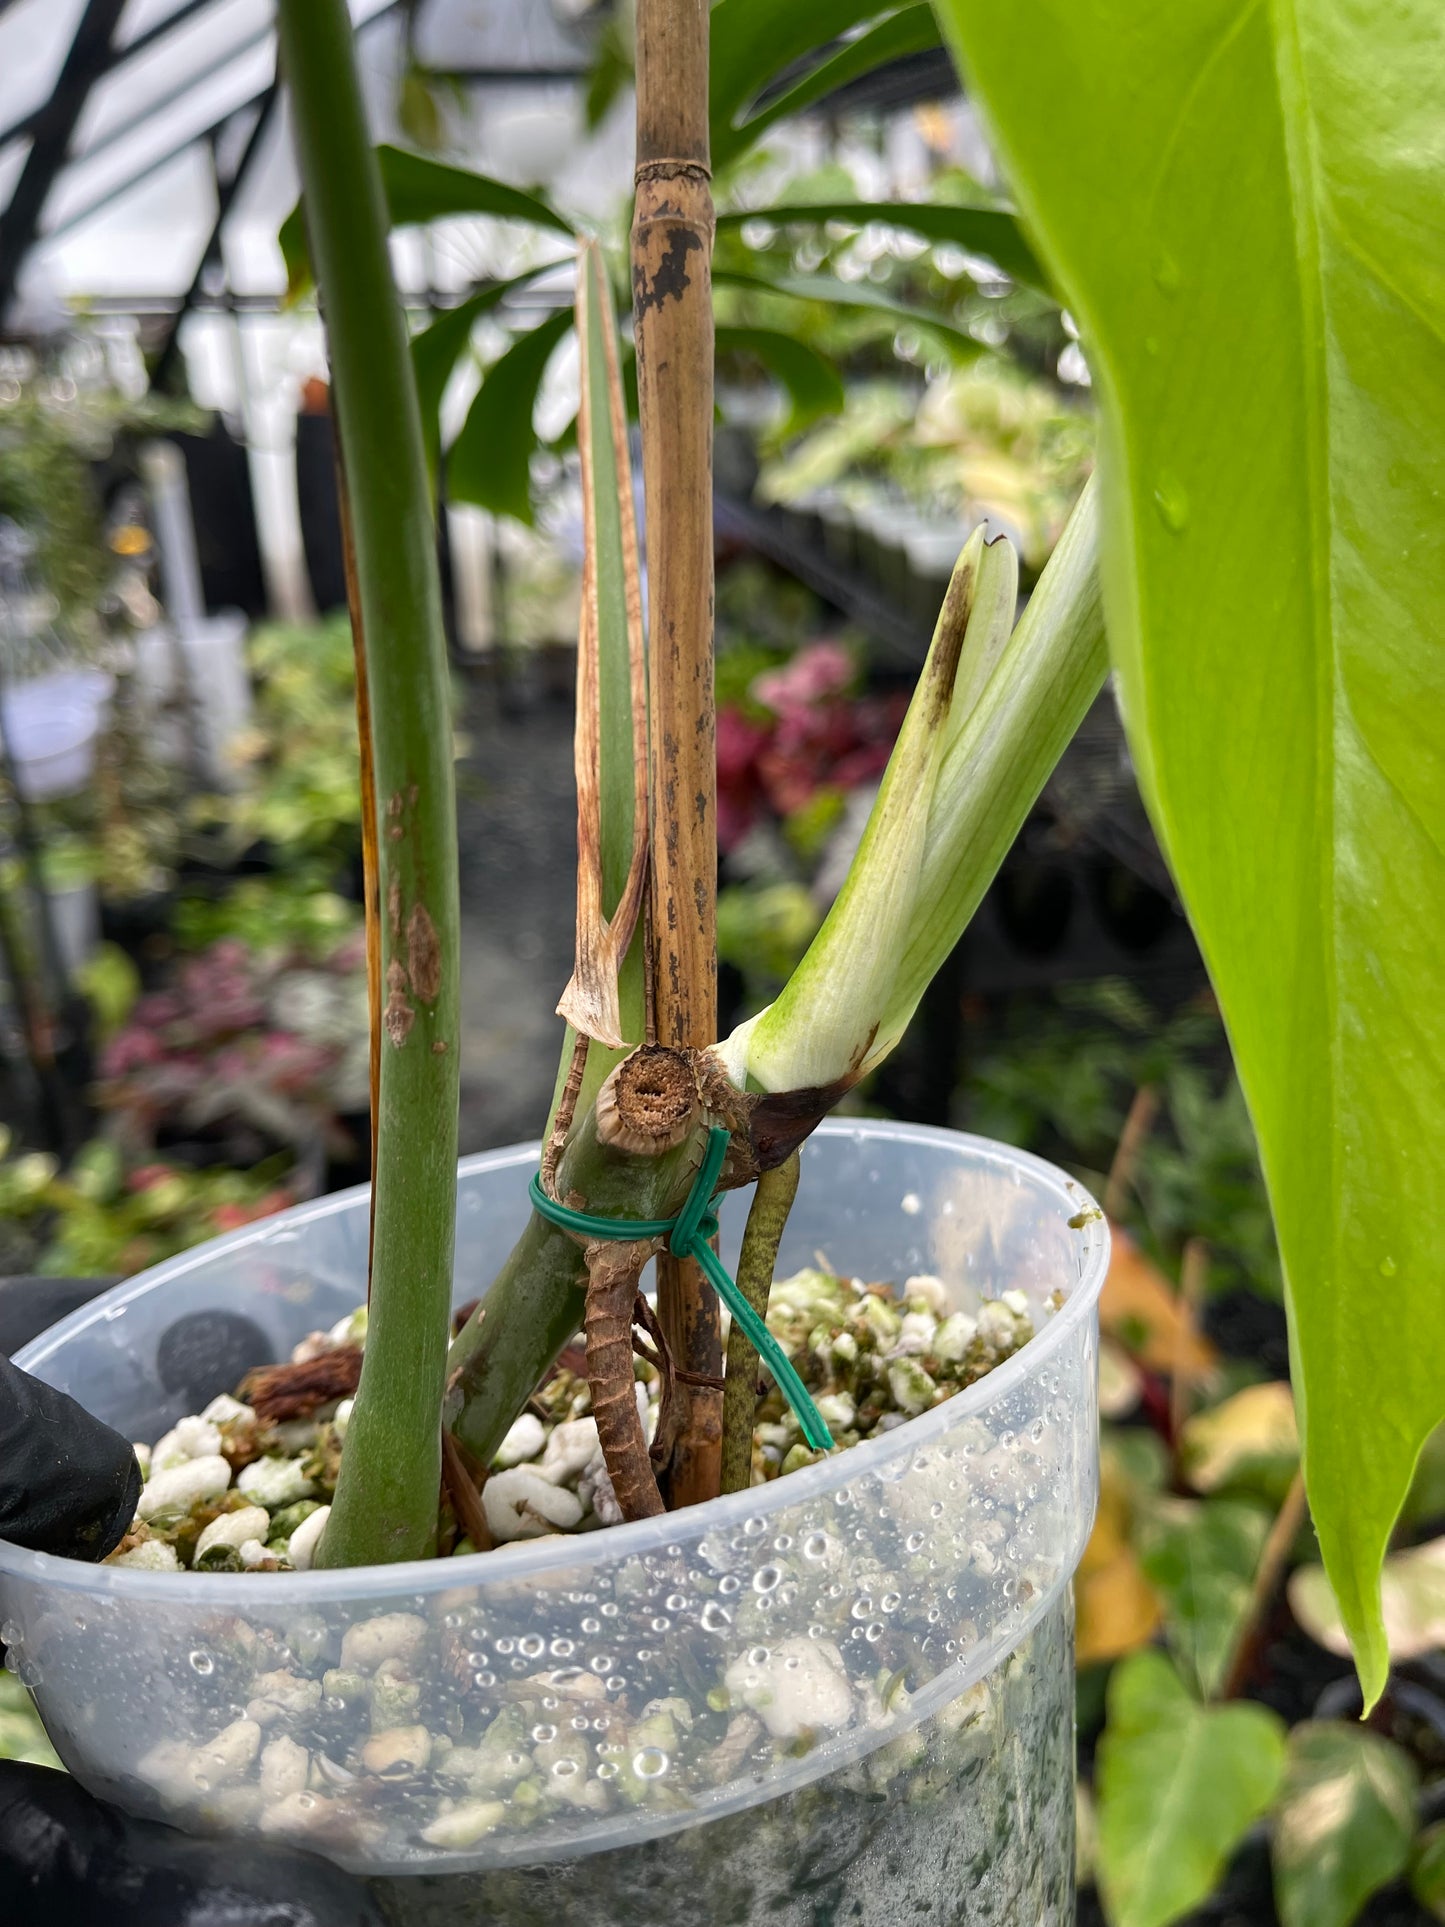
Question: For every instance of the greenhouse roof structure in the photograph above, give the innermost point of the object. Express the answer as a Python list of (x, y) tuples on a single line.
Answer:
[(130, 128), (133, 132)]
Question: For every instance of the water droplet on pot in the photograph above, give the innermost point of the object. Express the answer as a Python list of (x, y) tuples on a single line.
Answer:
[(914, 1542), (715, 1618), (815, 1546), (531, 1647), (766, 1577), (650, 1762), (202, 1663)]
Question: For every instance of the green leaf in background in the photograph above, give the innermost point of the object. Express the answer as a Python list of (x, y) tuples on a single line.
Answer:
[(491, 459), (436, 350), (1344, 1825), (753, 40), (1427, 1872), (812, 383), (1202, 1559), (912, 30), (420, 189), (959, 345), (1241, 205), (990, 231), (1178, 1786), (1412, 1594), (22, 1737)]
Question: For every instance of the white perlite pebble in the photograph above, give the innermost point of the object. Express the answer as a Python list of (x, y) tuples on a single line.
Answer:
[(301, 1549), (465, 1824), (524, 1441), (927, 1292), (954, 1336), (915, 1334), (182, 1486), (521, 1504), (1017, 1302), (275, 1482), (913, 1390), (282, 1696), (284, 1767), (594, 1489), (799, 1686), (570, 1449), (225, 1410), (188, 1438), (228, 1755), (235, 1528), (389, 1636), (152, 1555), (253, 1553)]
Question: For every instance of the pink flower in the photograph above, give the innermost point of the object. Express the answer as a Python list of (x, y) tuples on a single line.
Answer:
[(822, 669)]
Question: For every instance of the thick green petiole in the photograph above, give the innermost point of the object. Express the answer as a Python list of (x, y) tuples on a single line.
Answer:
[(386, 1502)]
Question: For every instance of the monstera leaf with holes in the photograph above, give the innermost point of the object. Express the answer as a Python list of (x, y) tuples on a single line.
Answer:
[(764, 67), (1242, 206)]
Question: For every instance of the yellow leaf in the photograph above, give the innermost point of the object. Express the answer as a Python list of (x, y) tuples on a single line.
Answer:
[(1254, 1429), (1140, 1308)]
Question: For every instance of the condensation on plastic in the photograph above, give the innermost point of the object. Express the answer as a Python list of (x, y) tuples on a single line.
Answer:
[(915, 1570)]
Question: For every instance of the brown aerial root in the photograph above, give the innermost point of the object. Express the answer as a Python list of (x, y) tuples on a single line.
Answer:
[(279, 1392), (612, 1274), (461, 1489), (649, 1103)]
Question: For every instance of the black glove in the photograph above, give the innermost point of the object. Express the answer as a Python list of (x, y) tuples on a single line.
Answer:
[(68, 1484), (68, 1860)]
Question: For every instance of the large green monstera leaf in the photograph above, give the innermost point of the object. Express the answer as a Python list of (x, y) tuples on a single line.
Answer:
[(1243, 204)]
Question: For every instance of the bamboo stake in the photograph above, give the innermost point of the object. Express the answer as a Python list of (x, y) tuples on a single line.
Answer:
[(673, 329)]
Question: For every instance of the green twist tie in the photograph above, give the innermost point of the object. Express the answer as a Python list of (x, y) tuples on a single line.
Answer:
[(690, 1235)]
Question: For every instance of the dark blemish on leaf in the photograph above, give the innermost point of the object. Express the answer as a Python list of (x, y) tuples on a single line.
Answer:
[(440, 1047), (671, 281), (423, 954), (393, 906)]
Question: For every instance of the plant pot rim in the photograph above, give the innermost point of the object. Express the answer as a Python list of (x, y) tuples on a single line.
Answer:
[(524, 1559)]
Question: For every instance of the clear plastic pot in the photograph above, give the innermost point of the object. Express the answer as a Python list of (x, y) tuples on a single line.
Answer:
[(852, 1686)]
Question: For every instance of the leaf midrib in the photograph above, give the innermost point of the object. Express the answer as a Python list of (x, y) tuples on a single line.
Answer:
[(1185, 1766)]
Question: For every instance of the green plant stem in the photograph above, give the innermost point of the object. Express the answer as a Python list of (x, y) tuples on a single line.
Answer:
[(767, 1219), (537, 1301), (386, 1501)]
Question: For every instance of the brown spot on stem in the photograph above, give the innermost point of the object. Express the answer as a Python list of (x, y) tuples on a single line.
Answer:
[(393, 905), (670, 279), (399, 1016), (424, 954)]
